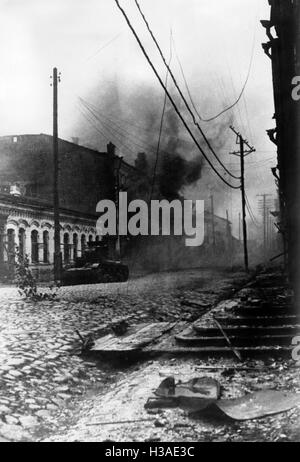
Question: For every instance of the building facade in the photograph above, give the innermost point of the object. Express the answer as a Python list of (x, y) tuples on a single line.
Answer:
[(86, 176), (26, 199)]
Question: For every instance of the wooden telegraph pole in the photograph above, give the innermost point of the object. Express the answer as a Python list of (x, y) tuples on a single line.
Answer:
[(212, 211), (57, 250), (242, 153), (264, 210), (229, 237)]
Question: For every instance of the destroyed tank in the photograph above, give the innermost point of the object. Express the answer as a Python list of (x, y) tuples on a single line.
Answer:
[(94, 267)]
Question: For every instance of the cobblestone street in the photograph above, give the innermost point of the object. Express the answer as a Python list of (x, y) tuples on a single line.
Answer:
[(43, 377)]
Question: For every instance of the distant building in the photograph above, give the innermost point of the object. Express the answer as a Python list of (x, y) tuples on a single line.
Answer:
[(86, 176), (26, 191)]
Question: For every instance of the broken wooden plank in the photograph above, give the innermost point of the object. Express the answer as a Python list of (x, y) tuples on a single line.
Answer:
[(138, 337), (237, 353), (196, 304), (120, 422)]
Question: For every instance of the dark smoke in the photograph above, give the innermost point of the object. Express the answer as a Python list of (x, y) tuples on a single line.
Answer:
[(180, 164), (181, 171), (177, 172)]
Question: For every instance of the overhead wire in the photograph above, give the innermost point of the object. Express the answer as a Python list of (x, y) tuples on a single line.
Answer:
[(251, 214), (171, 99), (90, 120), (113, 133), (142, 145), (161, 124), (180, 92), (231, 106), (104, 46)]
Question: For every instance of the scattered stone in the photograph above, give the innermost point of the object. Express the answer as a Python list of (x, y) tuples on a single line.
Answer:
[(10, 420), (52, 407), (60, 379), (62, 389), (5, 368), (16, 362), (52, 356), (4, 410), (154, 411), (4, 401), (153, 439), (66, 348), (14, 432), (159, 423), (28, 421), (43, 414), (15, 373), (58, 402), (26, 370), (33, 407), (64, 396)]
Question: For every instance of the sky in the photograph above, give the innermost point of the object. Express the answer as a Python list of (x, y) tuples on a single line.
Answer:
[(100, 61)]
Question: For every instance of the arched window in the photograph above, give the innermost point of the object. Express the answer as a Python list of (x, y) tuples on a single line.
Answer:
[(22, 238), (90, 238), (66, 248), (11, 245), (34, 246), (75, 246), (46, 247), (83, 243)]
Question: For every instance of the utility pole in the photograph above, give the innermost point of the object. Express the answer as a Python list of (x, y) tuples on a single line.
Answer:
[(242, 154), (229, 237), (268, 228), (57, 250), (239, 226), (264, 209), (117, 191), (212, 211)]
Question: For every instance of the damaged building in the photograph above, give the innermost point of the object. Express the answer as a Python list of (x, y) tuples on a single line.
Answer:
[(26, 189), (85, 177)]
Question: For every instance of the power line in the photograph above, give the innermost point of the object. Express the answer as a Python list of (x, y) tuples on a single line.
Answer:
[(104, 46), (113, 131), (251, 217), (185, 82), (161, 123), (241, 154), (108, 129), (144, 145), (170, 97), (89, 106), (231, 105), (90, 120), (180, 92), (255, 162), (158, 141), (251, 214)]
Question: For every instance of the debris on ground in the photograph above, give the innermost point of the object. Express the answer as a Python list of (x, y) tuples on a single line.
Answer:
[(259, 404), (199, 394), (196, 394), (120, 327), (86, 342)]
